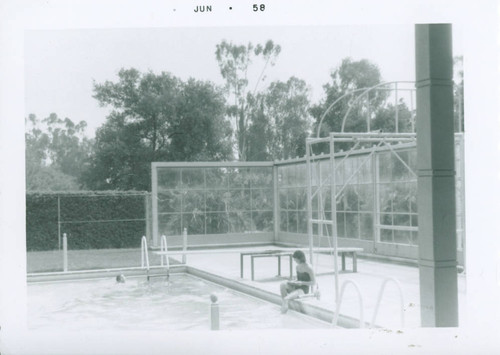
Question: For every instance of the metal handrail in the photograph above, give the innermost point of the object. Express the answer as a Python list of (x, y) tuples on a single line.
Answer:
[(382, 288), (339, 303), (144, 253), (163, 247), (65, 252), (333, 104)]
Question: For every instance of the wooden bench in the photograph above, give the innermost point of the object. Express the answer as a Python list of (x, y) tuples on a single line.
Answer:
[(344, 251), (266, 254), (353, 252)]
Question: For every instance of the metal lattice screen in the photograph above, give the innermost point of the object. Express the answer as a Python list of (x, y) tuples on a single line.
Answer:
[(214, 199)]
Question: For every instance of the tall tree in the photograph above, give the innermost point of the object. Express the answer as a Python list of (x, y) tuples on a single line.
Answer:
[(234, 63), (155, 118), (385, 118), (57, 152), (280, 121), (145, 104), (201, 131), (348, 77)]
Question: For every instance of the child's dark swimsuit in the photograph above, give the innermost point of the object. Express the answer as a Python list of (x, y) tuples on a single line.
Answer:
[(303, 276)]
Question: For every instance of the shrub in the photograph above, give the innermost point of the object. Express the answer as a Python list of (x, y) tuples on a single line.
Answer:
[(91, 220)]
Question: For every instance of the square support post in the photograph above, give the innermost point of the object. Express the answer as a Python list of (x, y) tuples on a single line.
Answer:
[(436, 176)]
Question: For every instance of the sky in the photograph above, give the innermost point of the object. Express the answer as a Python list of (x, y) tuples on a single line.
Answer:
[(61, 65)]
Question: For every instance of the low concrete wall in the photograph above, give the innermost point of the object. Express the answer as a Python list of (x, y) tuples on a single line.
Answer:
[(297, 305)]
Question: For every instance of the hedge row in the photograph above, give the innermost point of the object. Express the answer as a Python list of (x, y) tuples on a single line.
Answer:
[(91, 220)]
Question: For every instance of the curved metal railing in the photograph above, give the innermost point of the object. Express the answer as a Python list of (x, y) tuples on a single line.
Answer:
[(365, 91), (339, 303), (163, 247), (375, 87), (144, 253), (382, 288)]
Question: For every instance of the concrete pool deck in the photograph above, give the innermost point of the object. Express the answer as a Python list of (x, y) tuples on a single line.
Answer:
[(369, 278)]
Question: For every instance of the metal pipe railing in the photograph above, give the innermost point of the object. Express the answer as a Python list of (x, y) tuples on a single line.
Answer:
[(382, 288), (339, 303), (65, 252), (351, 104), (144, 253), (163, 247), (184, 245)]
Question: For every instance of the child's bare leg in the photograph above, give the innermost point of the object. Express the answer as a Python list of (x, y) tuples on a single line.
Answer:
[(284, 289), (292, 295)]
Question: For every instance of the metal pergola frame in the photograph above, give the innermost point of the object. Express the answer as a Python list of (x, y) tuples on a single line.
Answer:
[(377, 140)]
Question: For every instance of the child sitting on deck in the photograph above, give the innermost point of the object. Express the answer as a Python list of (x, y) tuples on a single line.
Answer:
[(295, 288)]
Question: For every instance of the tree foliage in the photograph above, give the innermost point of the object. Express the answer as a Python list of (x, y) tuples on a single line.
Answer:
[(56, 153), (347, 77), (280, 121), (155, 117), (234, 64), (350, 107), (385, 118)]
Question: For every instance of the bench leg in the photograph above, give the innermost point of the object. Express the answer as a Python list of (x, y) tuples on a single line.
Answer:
[(279, 265), (343, 261), (291, 267), (241, 266), (252, 268), (354, 262)]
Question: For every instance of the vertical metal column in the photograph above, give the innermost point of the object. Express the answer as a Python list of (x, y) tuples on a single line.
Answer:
[(436, 176), (309, 199), (396, 107), (147, 209), (65, 253), (333, 197), (154, 196), (321, 209), (376, 204), (59, 220), (184, 245), (368, 123), (276, 207)]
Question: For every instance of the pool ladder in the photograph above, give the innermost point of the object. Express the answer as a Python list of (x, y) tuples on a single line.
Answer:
[(339, 303), (144, 255), (360, 298), (401, 300), (163, 248)]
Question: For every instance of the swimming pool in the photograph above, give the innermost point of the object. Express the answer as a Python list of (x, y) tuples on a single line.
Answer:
[(182, 303)]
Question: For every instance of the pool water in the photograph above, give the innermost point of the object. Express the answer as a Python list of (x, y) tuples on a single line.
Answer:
[(182, 303)]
